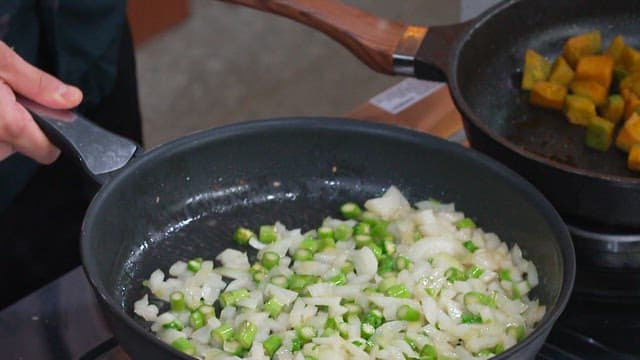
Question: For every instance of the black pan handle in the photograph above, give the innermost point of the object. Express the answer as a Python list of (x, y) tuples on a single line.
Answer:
[(433, 57), (100, 153)]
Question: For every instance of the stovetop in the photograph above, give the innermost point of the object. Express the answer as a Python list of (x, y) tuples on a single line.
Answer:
[(602, 318), (63, 321)]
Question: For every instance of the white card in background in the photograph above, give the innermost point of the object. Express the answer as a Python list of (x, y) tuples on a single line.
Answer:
[(404, 94)]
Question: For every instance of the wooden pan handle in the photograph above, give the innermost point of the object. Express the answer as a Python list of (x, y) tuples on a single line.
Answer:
[(371, 39)]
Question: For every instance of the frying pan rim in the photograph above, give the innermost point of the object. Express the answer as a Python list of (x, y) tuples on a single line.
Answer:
[(471, 116), (519, 183)]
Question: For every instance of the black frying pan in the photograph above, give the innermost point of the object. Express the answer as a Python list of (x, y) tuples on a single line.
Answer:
[(185, 198), (482, 61)]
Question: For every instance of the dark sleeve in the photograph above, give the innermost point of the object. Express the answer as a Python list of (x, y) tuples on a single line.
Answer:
[(20, 27), (83, 36)]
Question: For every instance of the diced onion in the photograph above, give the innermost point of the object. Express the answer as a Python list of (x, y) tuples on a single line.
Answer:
[(335, 298)]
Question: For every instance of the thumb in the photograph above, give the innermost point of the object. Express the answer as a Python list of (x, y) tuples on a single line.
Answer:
[(34, 83)]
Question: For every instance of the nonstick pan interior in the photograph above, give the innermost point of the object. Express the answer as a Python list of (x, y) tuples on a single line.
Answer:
[(184, 199), (489, 69)]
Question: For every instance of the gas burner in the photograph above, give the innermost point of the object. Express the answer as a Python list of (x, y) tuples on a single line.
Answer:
[(608, 263), (606, 247), (601, 319), (597, 330)]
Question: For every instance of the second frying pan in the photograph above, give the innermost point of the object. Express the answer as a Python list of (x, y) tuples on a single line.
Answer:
[(482, 61)]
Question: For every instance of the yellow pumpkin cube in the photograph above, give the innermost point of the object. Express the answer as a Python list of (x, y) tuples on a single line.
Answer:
[(615, 48), (579, 109), (631, 82), (598, 68), (613, 110), (632, 106), (633, 160), (591, 89), (561, 72), (629, 134), (580, 45), (548, 95), (630, 59), (631, 102), (536, 68), (599, 134)]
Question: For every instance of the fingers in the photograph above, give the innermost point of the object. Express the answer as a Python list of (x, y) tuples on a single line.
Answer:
[(18, 131), (34, 83)]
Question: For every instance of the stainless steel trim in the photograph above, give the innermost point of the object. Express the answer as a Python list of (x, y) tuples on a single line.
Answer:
[(608, 242), (458, 137), (616, 251), (406, 50)]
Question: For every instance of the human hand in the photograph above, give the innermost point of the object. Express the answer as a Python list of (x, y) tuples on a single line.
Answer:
[(18, 131)]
